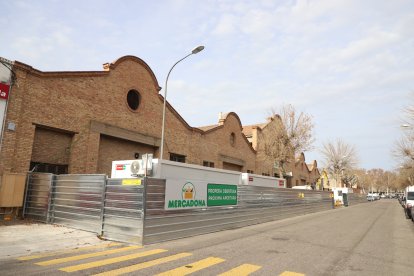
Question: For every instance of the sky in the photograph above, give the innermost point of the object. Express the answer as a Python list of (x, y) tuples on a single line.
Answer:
[(347, 63)]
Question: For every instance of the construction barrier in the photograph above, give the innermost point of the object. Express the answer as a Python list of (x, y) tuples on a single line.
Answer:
[(145, 210)]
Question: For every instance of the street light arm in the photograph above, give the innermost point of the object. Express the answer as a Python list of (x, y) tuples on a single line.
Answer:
[(193, 52), (169, 72), (164, 105)]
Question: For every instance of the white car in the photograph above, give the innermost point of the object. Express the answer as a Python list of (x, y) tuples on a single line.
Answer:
[(409, 201)]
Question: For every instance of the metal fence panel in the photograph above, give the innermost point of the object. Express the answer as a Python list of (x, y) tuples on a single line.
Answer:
[(37, 196), (255, 205), (136, 214), (123, 212), (77, 201), (356, 199)]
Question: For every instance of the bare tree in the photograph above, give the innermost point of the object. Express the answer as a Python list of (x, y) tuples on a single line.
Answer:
[(393, 181), (404, 149), (340, 160), (406, 174), (289, 134), (363, 179), (349, 179)]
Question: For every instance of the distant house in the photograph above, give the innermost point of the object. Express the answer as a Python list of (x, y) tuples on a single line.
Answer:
[(323, 182), (254, 134), (297, 173), (304, 174), (314, 174)]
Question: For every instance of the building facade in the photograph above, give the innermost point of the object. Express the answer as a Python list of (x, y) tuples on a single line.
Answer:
[(297, 173), (324, 181), (303, 173), (79, 122)]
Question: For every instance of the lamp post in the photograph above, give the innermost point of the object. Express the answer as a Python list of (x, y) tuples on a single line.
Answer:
[(193, 52)]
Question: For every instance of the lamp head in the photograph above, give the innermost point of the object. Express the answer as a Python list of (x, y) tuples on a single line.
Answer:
[(197, 49)]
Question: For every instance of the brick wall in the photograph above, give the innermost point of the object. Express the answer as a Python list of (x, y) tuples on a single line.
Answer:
[(111, 149), (91, 105), (51, 147)]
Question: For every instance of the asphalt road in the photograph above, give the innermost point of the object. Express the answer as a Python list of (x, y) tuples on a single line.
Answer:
[(367, 239)]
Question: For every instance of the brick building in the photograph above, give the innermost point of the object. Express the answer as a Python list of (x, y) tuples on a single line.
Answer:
[(303, 173), (79, 122), (299, 173)]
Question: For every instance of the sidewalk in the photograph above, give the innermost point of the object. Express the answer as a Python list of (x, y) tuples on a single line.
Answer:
[(21, 238)]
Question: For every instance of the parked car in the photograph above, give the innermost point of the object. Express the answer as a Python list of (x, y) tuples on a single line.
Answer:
[(372, 196), (409, 201), (401, 199), (412, 213)]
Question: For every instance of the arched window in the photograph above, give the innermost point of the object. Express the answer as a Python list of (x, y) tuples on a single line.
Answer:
[(232, 139)]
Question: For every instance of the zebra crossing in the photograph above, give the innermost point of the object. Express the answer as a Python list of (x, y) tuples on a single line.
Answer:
[(112, 259)]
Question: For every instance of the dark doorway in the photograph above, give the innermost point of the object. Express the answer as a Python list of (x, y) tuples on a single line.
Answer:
[(48, 168)]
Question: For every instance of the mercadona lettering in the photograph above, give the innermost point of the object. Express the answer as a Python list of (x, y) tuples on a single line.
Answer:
[(186, 203)]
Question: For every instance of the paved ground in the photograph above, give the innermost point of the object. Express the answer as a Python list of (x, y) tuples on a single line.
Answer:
[(24, 237), (365, 239)]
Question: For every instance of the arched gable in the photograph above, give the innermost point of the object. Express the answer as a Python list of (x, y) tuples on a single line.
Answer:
[(235, 116), (222, 122), (113, 65), (302, 156)]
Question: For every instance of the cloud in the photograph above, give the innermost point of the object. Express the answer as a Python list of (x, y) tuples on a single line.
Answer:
[(344, 61), (368, 45), (226, 25)]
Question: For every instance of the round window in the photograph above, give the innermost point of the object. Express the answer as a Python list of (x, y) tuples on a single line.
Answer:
[(133, 99)]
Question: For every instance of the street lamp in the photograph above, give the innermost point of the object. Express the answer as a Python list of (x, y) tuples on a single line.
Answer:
[(193, 52)]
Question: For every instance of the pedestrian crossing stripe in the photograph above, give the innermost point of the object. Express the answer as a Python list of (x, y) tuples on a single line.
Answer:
[(289, 273), (242, 270), (112, 260), (79, 249), (140, 266), (86, 256), (193, 267)]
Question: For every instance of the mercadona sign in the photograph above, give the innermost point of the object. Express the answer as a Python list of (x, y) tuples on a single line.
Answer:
[(198, 194)]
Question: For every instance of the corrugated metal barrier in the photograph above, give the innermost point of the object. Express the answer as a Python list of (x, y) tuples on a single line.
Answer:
[(72, 200), (37, 196), (255, 205), (123, 211), (356, 199), (77, 201)]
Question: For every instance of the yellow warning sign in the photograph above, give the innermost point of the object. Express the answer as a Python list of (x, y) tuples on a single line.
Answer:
[(131, 181)]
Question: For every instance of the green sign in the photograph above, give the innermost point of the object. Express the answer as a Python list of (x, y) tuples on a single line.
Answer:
[(220, 194)]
